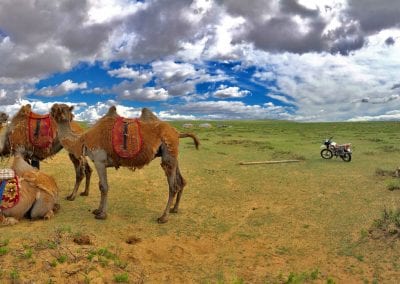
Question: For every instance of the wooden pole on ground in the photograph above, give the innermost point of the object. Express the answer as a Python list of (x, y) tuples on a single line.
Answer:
[(269, 162)]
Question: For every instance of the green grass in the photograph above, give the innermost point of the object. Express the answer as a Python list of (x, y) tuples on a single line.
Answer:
[(389, 221), (62, 258), (121, 278), (4, 250)]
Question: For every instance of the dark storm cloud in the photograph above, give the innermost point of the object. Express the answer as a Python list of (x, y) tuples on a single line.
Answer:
[(47, 36), (375, 15), (255, 11), (283, 34), (346, 38), (274, 28), (32, 65), (395, 86), (390, 41), (277, 31), (293, 7), (86, 40), (163, 26), (32, 22)]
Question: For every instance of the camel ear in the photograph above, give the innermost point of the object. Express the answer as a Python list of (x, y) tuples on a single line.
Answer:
[(71, 108)]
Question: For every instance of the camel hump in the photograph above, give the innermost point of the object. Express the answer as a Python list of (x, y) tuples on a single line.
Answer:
[(24, 110), (41, 181), (148, 115), (112, 111)]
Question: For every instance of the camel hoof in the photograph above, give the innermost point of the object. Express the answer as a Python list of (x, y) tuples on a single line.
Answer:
[(84, 194), (96, 211), (101, 216), (48, 215), (56, 207), (70, 197), (162, 220), (173, 210), (9, 221)]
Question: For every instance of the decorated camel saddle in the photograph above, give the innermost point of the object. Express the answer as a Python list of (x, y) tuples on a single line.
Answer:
[(40, 132), (126, 137), (9, 189)]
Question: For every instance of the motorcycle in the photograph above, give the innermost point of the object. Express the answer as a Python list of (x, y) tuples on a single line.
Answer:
[(330, 149)]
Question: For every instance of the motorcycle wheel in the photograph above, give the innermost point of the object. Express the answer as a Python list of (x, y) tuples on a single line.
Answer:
[(346, 157), (326, 154)]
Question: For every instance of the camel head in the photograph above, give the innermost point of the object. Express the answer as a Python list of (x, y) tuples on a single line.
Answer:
[(3, 117), (62, 112)]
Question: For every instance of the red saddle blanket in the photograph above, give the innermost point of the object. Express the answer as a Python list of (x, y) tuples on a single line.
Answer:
[(10, 192), (40, 132), (126, 137)]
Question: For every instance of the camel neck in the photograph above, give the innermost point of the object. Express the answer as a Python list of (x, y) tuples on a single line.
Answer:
[(20, 166), (71, 141), (65, 131), (3, 136)]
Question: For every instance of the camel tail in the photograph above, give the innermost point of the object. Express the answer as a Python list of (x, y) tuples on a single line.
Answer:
[(194, 137)]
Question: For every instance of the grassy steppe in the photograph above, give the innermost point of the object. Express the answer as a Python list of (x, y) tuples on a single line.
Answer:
[(284, 223)]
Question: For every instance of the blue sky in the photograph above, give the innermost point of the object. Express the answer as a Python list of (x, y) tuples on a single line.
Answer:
[(299, 60)]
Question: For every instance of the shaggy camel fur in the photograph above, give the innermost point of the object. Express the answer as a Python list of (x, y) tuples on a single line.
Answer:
[(15, 136), (38, 194), (159, 140)]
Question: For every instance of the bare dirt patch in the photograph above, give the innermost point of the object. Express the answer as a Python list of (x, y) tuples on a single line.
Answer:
[(82, 240)]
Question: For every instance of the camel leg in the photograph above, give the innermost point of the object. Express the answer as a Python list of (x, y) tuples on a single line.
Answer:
[(7, 221), (101, 212), (42, 208), (35, 163), (79, 175), (56, 207), (88, 174), (181, 184), (169, 165)]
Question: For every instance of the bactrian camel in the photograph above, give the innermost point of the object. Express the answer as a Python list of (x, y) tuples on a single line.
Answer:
[(15, 135), (38, 194), (159, 139)]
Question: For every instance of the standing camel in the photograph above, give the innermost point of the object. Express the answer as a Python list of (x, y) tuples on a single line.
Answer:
[(17, 133), (155, 138)]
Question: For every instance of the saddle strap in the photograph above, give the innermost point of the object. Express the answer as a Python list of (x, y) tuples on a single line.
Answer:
[(125, 134), (37, 128)]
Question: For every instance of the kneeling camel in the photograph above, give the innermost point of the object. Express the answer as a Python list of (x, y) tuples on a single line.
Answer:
[(37, 196)]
